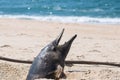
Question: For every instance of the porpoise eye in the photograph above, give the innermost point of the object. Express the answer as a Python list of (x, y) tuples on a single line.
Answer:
[(53, 48)]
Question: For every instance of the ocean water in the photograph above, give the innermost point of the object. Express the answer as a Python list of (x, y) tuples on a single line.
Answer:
[(76, 11)]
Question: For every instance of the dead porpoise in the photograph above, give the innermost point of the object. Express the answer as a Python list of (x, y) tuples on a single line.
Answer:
[(50, 61)]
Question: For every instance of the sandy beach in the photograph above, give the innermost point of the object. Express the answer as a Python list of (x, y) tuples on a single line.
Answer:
[(23, 39)]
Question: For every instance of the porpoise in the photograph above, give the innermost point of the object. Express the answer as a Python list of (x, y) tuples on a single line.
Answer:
[(50, 62)]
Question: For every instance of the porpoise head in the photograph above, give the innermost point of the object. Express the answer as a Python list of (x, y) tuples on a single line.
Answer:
[(61, 50)]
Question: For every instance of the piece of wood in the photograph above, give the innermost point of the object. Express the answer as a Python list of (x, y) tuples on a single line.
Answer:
[(66, 62)]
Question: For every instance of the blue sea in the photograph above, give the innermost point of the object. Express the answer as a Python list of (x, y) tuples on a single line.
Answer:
[(73, 11)]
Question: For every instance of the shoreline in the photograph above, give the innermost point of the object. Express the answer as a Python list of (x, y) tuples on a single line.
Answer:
[(66, 19), (59, 22), (95, 42)]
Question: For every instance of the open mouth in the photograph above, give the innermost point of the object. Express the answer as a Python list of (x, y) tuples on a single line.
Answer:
[(57, 40)]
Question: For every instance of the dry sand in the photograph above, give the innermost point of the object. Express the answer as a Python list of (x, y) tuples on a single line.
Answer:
[(23, 39)]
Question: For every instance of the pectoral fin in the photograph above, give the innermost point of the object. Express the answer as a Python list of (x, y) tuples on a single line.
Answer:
[(58, 72)]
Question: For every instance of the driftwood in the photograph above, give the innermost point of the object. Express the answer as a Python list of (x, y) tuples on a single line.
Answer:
[(67, 62)]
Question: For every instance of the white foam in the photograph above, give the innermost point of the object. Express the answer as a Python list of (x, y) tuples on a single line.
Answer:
[(65, 19)]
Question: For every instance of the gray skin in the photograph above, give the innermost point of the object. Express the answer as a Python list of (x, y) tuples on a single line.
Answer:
[(50, 61)]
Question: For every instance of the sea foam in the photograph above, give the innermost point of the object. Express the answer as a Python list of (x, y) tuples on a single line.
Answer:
[(66, 19)]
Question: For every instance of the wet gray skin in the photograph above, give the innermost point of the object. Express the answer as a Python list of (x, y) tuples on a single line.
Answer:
[(50, 62)]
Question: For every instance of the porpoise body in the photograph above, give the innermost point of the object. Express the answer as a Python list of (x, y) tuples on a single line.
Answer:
[(50, 62)]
